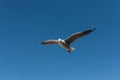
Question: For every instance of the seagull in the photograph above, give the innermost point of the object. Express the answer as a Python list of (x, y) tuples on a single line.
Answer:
[(65, 43)]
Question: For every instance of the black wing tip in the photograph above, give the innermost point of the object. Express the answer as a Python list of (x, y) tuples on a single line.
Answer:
[(89, 31), (93, 29), (43, 43)]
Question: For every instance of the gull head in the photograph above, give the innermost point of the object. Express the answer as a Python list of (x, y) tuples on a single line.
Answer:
[(61, 40)]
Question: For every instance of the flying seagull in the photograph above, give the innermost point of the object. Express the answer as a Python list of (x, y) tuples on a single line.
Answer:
[(65, 43)]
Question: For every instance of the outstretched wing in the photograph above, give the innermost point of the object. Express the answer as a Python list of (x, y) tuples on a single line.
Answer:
[(50, 42), (78, 35)]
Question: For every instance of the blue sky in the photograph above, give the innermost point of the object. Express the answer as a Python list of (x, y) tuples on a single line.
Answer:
[(25, 23)]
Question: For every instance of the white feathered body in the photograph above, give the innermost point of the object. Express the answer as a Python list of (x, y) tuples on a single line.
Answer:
[(64, 45)]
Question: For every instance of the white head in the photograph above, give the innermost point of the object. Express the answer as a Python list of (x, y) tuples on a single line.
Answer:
[(61, 40)]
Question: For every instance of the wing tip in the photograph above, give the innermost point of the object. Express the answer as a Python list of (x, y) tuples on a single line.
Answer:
[(43, 43), (93, 29)]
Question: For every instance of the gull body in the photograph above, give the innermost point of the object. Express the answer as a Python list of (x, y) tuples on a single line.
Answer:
[(65, 45)]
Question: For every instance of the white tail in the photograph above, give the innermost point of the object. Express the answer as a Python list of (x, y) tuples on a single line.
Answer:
[(72, 49)]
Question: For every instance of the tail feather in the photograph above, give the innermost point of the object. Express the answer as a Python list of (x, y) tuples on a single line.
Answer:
[(71, 49)]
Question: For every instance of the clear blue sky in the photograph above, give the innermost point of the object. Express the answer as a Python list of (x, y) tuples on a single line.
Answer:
[(25, 23)]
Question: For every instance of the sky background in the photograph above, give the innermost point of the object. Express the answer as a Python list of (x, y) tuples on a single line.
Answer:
[(25, 23)]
